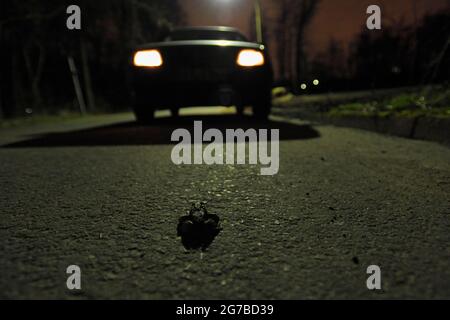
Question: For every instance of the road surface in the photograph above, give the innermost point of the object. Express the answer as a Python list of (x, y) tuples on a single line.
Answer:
[(103, 194)]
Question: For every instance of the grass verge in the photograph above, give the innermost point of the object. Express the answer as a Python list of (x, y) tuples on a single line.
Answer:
[(432, 102)]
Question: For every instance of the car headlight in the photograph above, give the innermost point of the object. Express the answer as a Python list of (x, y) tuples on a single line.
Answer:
[(148, 58), (250, 58)]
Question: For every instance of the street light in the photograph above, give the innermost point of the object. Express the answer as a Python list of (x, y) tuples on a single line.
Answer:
[(258, 21)]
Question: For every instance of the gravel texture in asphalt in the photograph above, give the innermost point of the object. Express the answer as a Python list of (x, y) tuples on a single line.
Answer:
[(109, 200)]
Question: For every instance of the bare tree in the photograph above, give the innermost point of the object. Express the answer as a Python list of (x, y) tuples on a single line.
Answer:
[(282, 30), (34, 70), (36, 46), (31, 19), (293, 20), (304, 11)]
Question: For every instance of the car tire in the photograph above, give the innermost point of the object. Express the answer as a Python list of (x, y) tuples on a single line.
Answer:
[(240, 110), (263, 107), (143, 113), (175, 112), (144, 116)]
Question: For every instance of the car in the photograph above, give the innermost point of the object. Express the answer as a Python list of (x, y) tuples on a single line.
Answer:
[(201, 66)]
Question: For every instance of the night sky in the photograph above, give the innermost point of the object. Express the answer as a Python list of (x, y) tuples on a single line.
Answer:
[(340, 20)]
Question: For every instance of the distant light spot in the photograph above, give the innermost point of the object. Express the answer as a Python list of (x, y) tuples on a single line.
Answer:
[(396, 70), (303, 86)]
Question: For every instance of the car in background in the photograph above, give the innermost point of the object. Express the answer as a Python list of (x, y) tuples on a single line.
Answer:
[(201, 66)]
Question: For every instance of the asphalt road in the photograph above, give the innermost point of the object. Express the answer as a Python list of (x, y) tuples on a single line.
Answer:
[(103, 194)]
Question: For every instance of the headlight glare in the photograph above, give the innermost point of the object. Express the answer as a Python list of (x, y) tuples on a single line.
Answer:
[(148, 58), (250, 58)]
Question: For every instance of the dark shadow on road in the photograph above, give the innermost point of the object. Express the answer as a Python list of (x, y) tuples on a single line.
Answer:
[(130, 133)]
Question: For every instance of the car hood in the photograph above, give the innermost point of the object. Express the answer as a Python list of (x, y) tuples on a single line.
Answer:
[(217, 43)]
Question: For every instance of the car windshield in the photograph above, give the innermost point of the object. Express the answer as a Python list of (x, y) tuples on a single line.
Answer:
[(192, 34)]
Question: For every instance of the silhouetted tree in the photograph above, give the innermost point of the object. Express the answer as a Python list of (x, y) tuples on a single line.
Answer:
[(401, 55), (293, 20), (34, 71), (433, 49), (331, 68)]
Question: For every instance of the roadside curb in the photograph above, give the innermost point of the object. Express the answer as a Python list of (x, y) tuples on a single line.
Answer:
[(422, 128)]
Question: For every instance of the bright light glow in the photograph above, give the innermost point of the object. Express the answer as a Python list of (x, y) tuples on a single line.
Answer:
[(223, 43), (303, 86), (148, 58), (316, 82), (250, 58)]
